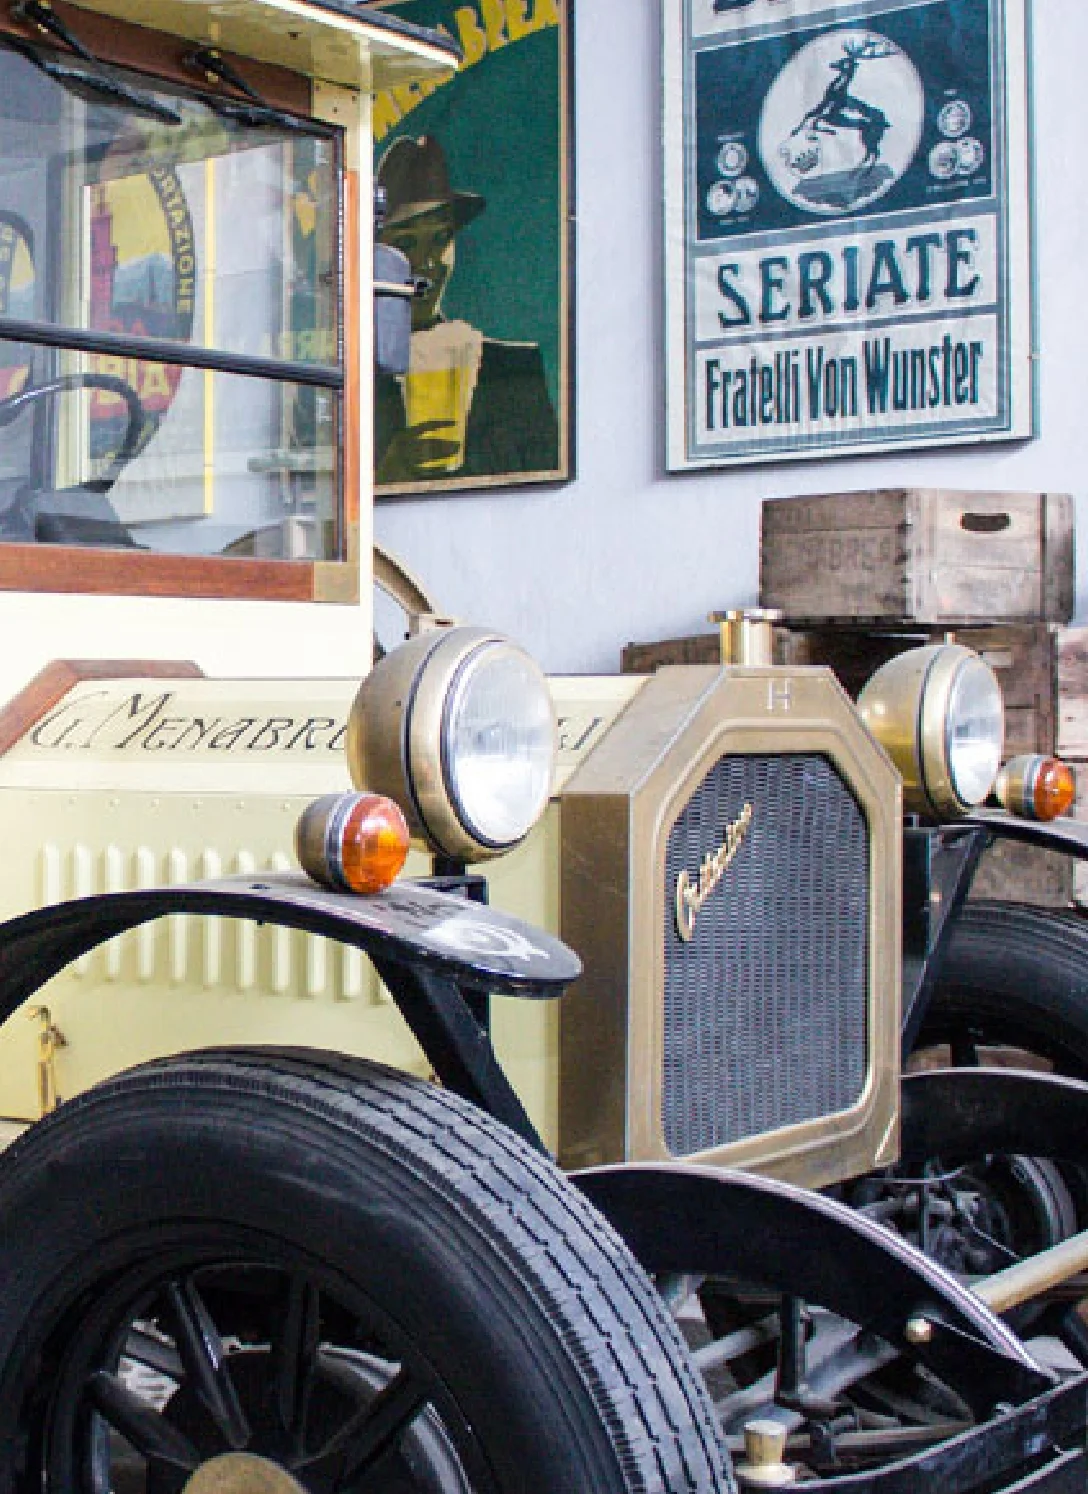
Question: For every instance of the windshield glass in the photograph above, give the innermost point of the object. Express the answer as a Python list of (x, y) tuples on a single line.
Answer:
[(133, 212)]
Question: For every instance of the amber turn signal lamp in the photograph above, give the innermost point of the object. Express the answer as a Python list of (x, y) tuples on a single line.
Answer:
[(352, 842), (1036, 787)]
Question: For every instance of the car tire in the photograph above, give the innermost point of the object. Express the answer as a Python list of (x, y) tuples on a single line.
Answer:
[(1015, 977), (194, 1200)]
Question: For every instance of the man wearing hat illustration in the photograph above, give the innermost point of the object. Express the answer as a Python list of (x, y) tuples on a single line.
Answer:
[(469, 405)]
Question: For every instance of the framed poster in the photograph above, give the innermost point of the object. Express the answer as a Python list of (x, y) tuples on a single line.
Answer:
[(476, 179), (848, 240)]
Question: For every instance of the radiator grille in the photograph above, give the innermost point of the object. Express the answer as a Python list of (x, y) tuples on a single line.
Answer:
[(765, 1008)]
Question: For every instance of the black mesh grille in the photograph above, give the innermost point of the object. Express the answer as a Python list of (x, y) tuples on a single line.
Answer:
[(765, 1008)]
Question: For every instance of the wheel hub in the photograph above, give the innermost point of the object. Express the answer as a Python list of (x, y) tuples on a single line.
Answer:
[(241, 1473)]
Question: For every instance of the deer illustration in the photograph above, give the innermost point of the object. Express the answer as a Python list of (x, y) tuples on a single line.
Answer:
[(840, 109)]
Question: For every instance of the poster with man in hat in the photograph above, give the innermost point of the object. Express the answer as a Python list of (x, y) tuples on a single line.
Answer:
[(474, 176)]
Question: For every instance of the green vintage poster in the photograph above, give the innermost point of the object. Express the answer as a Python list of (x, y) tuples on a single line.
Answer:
[(475, 179)]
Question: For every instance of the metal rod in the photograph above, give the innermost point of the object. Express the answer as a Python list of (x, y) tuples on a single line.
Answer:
[(889, 1443), (733, 1345), (166, 350), (1030, 1278)]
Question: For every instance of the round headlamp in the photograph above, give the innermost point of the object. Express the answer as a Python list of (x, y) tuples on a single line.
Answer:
[(458, 727), (939, 714)]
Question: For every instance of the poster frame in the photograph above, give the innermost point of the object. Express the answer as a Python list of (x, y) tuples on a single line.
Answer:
[(1010, 313)]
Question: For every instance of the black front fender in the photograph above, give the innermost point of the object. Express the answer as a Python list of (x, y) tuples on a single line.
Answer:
[(688, 1219), (1070, 836), (430, 948)]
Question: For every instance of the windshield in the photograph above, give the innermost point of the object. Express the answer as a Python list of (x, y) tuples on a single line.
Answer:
[(170, 357)]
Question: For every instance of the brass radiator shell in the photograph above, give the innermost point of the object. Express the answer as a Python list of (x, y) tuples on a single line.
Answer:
[(617, 812)]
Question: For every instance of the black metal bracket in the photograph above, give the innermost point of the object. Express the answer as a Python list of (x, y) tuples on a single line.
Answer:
[(457, 1044), (792, 1388), (938, 867), (453, 877), (44, 17), (215, 67), (251, 108)]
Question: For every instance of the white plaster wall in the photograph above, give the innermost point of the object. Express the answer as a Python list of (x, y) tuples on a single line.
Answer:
[(625, 552)]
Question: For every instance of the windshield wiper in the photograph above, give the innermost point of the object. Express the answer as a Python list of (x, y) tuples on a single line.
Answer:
[(251, 108), (92, 87)]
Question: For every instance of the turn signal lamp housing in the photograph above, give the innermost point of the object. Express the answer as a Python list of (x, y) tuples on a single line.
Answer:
[(457, 725), (352, 842), (939, 714), (1036, 787)]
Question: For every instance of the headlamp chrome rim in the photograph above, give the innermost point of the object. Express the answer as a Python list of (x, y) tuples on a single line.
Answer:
[(498, 792), (426, 756), (935, 727), (974, 758)]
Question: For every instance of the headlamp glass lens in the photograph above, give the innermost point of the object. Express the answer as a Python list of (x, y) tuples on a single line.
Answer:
[(975, 731), (499, 744)]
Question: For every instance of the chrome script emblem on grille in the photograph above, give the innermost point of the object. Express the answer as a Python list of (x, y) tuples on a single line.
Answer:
[(691, 895)]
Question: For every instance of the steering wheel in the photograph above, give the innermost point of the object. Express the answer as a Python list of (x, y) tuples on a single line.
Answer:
[(82, 514), (14, 405)]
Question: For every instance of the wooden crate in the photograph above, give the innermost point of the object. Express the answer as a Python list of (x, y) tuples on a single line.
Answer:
[(1071, 667), (644, 658), (919, 555)]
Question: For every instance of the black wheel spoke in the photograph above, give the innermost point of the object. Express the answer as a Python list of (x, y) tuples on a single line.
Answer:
[(144, 1348), (206, 1362), (364, 1440), (294, 1357), (140, 1424)]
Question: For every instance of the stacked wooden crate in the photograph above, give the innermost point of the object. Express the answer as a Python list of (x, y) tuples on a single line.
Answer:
[(995, 570), (919, 555), (859, 577)]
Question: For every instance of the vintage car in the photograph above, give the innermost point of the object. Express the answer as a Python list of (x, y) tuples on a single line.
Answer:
[(322, 1183), (326, 1245)]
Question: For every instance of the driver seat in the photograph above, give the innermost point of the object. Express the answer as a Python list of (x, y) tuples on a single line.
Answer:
[(81, 515)]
